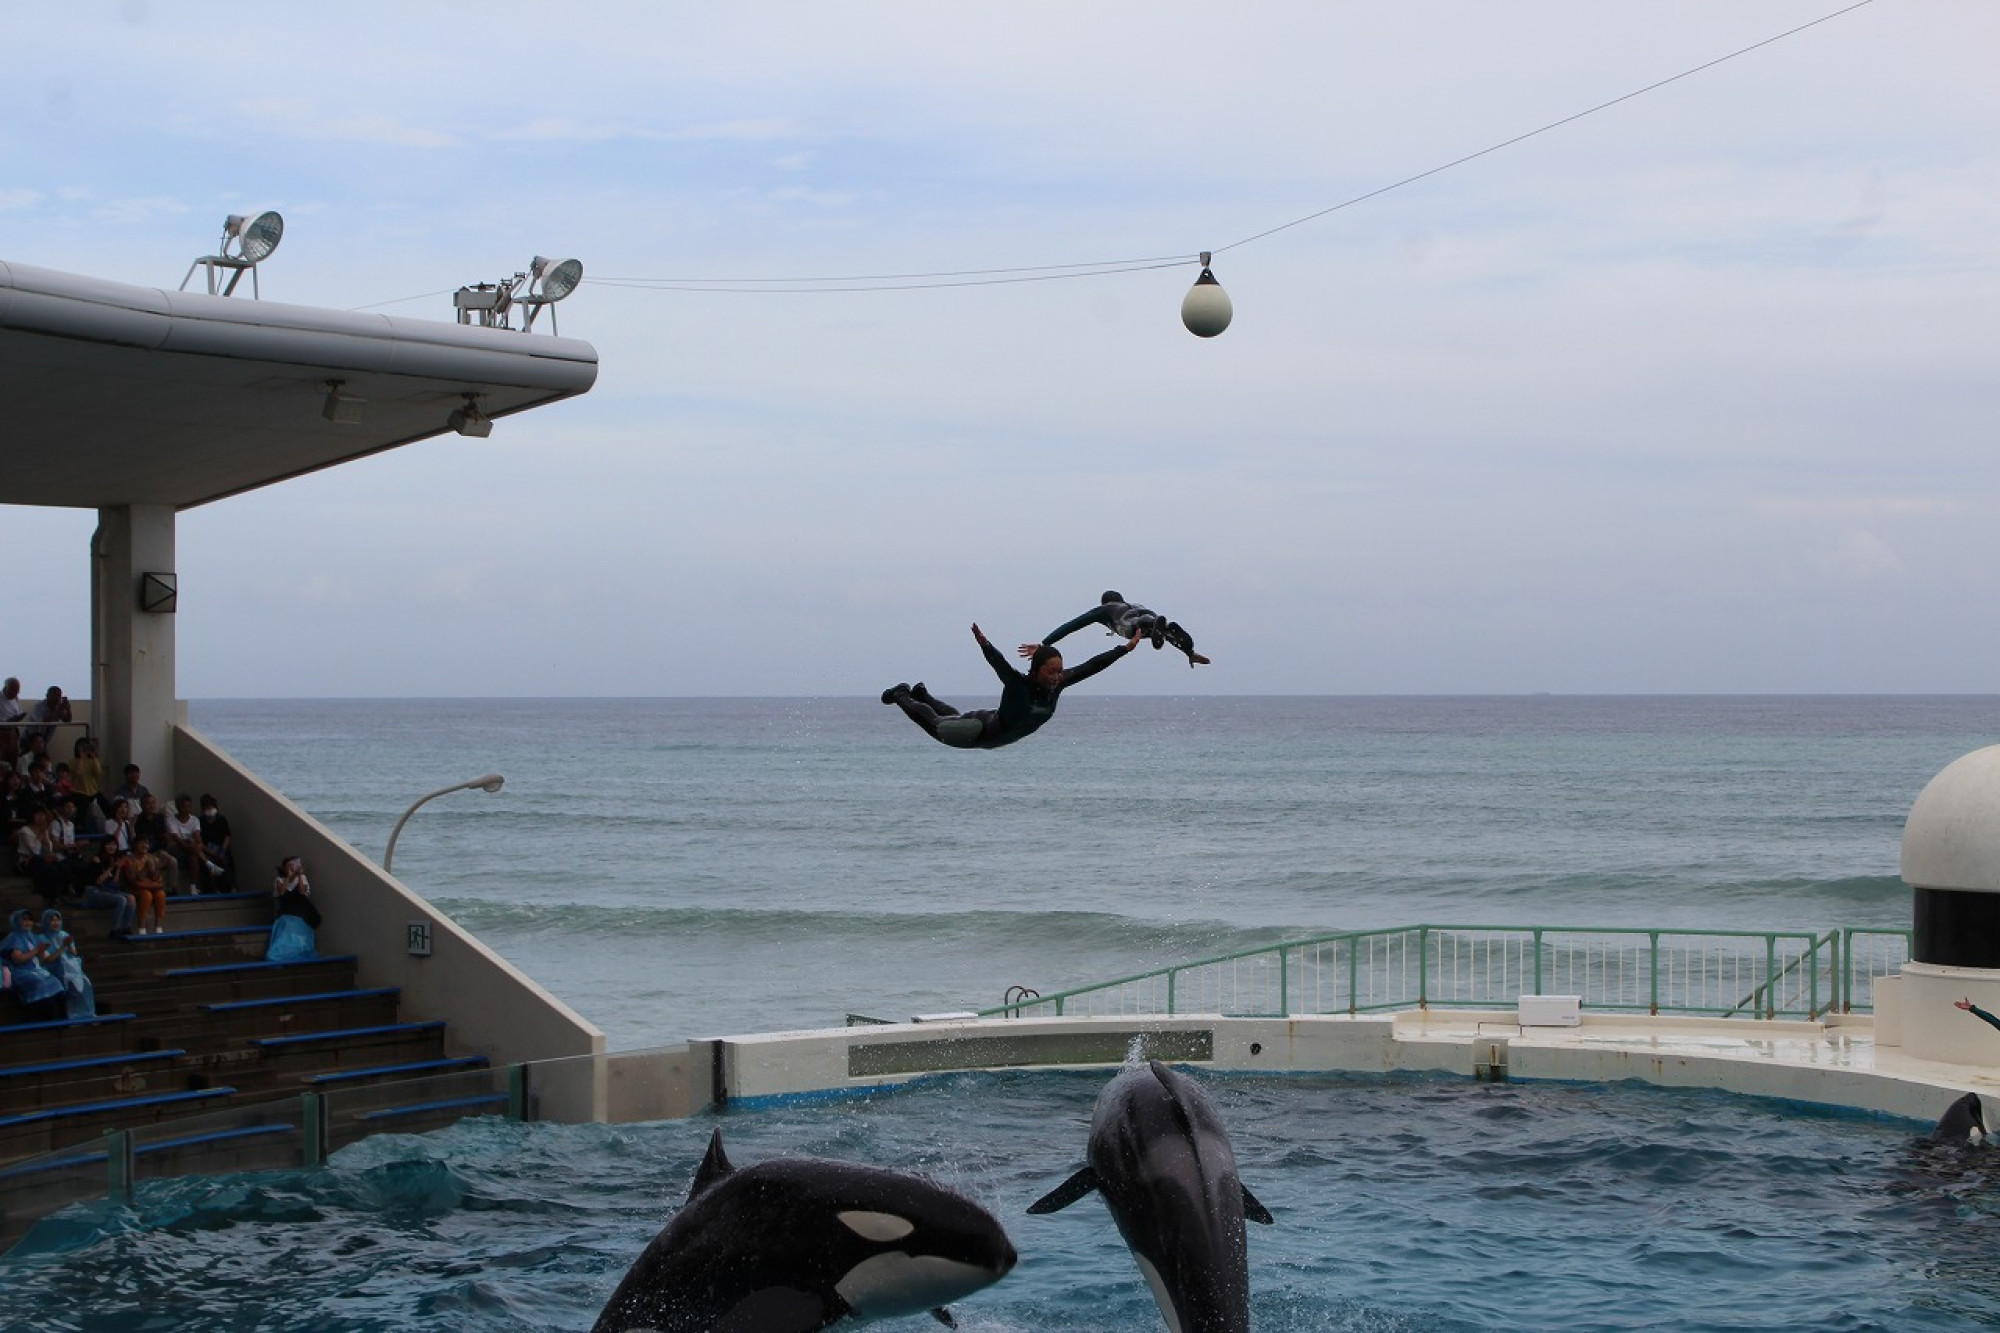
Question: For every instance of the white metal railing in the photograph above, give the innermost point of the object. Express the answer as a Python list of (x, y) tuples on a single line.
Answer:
[(1769, 974)]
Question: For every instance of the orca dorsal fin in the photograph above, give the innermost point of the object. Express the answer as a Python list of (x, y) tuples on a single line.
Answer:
[(1254, 1210), (1067, 1193), (714, 1166)]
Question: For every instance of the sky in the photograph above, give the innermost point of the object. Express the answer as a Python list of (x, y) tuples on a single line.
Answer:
[(1693, 394)]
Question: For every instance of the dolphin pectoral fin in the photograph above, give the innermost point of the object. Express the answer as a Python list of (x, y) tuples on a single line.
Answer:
[(1254, 1210), (1067, 1193), (943, 1316), (714, 1166)]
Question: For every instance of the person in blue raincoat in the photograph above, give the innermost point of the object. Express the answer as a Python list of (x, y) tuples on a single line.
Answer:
[(63, 961), (294, 927), (38, 990)]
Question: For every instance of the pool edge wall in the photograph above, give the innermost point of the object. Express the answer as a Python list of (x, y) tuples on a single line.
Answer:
[(1804, 1062)]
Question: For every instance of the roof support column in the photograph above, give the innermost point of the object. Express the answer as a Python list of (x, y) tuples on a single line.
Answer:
[(132, 594)]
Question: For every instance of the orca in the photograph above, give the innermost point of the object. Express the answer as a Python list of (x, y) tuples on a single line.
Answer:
[(1962, 1122), (1159, 1155), (800, 1243)]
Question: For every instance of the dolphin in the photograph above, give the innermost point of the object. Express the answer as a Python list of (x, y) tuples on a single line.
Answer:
[(1962, 1122), (1158, 1154), (799, 1243)]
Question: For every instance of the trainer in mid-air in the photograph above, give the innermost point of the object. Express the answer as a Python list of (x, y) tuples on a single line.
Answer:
[(1125, 619), (1026, 701)]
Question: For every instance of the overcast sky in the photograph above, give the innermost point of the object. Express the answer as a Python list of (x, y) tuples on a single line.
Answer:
[(1698, 393)]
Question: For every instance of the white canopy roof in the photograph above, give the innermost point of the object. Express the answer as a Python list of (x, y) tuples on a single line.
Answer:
[(113, 394)]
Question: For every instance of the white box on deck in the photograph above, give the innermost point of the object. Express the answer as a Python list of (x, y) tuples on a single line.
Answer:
[(1550, 1011)]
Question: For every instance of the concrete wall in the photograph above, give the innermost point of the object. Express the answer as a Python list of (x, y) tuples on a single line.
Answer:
[(494, 1009), (1829, 1064)]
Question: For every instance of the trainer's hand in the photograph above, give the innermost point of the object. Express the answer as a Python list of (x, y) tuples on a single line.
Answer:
[(1027, 649), (1133, 642), (976, 633)]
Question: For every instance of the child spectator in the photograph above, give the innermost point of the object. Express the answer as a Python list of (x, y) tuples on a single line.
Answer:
[(139, 874), (151, 824)]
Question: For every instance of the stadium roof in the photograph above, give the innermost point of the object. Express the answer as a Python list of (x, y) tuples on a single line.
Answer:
[(113, 394)]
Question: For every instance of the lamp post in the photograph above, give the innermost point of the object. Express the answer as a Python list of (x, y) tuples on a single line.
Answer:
[(491, 782)]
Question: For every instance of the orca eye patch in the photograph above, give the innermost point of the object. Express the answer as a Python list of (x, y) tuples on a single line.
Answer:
[(876, 1226)]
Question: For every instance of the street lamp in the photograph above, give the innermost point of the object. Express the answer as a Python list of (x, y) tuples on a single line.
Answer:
[(491, 782)]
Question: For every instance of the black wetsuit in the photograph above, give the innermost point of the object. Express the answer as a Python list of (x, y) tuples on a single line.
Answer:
[(1024, 705), (1124, 619)]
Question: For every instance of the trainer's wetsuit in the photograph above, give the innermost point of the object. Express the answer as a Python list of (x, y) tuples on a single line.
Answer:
[(1977, 1012), (1024, 706)]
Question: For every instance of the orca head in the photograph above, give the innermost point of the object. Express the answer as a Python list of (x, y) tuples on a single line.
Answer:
[(909, 1244), (796, 1243), (1964, 1121)]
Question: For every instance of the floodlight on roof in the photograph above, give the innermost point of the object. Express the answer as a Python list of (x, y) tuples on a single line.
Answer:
[(549, 281), (545, 282), (254, 237)]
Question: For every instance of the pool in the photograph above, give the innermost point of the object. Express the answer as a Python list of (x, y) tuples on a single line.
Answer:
[(1402, 1202)]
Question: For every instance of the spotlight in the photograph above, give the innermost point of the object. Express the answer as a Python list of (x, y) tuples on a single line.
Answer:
[(253, 239), (545, 282), (1205, 309), (549, 281), (469, 420), (341, 408)]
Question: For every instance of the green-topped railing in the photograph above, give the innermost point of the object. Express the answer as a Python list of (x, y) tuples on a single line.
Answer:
[(1723, 973)]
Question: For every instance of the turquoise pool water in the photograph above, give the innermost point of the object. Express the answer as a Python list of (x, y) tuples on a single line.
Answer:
[(1403, 1203)]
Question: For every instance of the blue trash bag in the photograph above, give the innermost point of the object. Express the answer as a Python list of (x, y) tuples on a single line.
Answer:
[(291, 940)]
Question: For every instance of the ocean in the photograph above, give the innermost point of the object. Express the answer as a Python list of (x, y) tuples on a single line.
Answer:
[(678, 868)]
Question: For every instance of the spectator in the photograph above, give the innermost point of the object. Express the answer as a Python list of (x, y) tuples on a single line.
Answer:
[(14, 804), (62, 836), (65, 964), (33, 746), (184, 843), (133, 792), (100, 889), (86, 778), (139, 874), (295, 927), (37, 781), (118, 828), (52, 710), (11, 712), (36, 857), (22, 950), (216, 845), (151, 824)]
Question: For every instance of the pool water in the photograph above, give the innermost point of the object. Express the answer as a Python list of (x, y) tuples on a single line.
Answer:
[(1402, 1203)]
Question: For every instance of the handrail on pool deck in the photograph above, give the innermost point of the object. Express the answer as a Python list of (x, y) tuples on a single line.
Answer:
[(1720, 973)]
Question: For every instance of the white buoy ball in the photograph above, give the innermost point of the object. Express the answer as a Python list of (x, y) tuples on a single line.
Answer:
[(1205, 309)]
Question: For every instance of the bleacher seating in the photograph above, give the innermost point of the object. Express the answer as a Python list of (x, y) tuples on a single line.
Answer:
[(194, 1020)]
